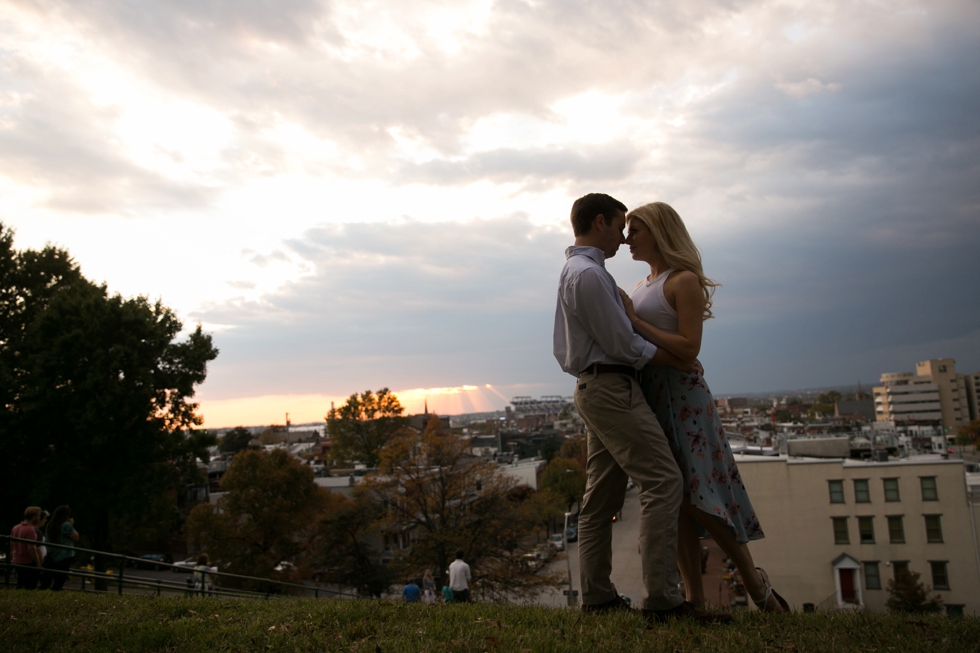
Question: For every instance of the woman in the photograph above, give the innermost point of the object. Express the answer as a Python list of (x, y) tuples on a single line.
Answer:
[(39, 529), (61, 530), (669, 308), (204, 575), (429, 587)]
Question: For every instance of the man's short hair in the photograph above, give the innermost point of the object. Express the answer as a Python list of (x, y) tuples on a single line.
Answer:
[(31, 512), (459, 554), (586, 208)]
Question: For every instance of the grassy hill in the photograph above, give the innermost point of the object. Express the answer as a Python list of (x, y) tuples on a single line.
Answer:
[(44, 621)]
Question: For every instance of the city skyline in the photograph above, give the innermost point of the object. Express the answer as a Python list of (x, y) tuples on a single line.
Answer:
[(350, 199)]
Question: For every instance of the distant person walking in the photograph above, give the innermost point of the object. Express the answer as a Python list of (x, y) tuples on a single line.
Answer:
[(594, 342), (61, 530), (428, 587), (459, 579), (668, 309), (27, 554)]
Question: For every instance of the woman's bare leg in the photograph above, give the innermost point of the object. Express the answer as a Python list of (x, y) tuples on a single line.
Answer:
[(689, 558), (737, 552)]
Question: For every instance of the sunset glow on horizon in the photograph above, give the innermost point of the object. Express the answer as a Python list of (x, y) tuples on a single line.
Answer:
[(303, 409)]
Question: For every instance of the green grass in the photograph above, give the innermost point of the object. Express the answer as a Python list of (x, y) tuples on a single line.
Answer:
[(45, 621)]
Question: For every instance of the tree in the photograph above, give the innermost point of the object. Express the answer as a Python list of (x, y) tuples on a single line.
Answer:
[(274, 434), (576, 448), (831, 397), (566, 478), (94, 397), (431, 489), (235, 440), (908, 594), (969, 434), (342, 550), (268, 514), (363, 425)]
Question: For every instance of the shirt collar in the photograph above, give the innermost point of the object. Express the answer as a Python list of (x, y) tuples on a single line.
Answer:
[(593, 253)]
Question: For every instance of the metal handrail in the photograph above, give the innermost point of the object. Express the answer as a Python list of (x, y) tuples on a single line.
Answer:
[(120, 579)]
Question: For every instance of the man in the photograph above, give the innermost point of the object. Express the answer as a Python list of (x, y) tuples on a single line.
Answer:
[(594, 341), (411, 592), (24, 553), (459, 579)]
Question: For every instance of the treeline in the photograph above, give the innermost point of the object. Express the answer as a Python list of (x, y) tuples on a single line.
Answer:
[(95, 400)]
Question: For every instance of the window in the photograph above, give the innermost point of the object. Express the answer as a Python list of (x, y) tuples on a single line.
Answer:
[(872, 576), (896, 531), (866, 528), (840, 531), (900, 567), (861, 493), (940, 579), (836, 491), (929, 492), (934, 529), (891, 489)]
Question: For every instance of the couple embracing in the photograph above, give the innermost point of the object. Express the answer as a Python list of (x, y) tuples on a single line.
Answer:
[(648, 413)]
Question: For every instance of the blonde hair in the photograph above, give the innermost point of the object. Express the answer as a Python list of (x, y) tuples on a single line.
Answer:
[(675, 244)]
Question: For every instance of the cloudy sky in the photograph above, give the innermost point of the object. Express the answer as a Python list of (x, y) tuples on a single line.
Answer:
[(360, 194)]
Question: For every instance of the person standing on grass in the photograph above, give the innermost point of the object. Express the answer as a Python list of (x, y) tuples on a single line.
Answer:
[(61, 530), (459, 579), (25, 553), (428, 587), (595, 342), (44, 582), (669, 309)]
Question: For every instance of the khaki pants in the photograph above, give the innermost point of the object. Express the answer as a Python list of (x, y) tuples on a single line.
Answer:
[(625, 440)]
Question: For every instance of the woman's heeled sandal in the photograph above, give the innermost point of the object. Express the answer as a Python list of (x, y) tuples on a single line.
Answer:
[(763, 603)]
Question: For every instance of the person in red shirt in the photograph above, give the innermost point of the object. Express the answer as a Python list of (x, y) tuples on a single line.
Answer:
[(25, 554)]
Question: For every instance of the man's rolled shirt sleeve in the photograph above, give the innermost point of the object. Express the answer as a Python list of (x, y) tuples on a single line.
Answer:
[(601, 312)]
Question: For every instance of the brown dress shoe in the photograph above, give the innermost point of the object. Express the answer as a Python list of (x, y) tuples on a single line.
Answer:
[(617, 603), (686, 611)]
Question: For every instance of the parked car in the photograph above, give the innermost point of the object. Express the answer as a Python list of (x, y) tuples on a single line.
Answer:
[(532, 561), (155, 561), (285, 565), (558, 541), (185, 566), (571, 533)]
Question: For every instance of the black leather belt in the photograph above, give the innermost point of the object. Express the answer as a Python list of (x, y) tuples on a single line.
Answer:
[(602, 368)]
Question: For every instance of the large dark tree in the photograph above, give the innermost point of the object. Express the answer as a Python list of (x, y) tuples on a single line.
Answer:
[(235, 440), (269, 513), (363, 425), (94, 397)]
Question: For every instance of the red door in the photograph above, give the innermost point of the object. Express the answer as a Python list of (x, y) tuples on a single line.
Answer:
[(847, 585)]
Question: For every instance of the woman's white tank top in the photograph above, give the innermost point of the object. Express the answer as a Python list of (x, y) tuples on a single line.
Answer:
[(651, 305)]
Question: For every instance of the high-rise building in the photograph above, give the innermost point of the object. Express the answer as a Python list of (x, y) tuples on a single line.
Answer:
[(972, 400), (935, 393)]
